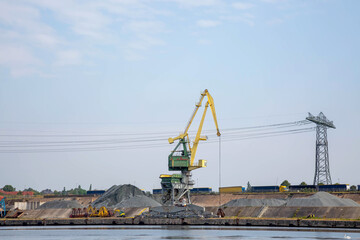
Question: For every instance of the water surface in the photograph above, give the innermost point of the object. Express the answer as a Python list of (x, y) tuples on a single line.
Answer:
[(170, 232)]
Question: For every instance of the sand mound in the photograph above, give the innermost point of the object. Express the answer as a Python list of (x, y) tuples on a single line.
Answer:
[(124, 196), (255, 202), (322, 199), (61, 204)]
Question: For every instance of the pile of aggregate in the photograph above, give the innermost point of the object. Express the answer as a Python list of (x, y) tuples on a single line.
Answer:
[(255, 202), (60, 204), (321, 199), (124, 196), (188, 211)]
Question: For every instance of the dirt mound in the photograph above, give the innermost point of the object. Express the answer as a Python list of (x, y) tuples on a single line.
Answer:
[(61, 204), (122, 196), (255, 202), (322, 199)]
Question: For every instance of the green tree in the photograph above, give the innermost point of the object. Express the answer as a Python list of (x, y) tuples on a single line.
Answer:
[(32, 190), (303, 184), (77, 191), (9, 188), (353, 188), (248, 189), (285, 183)]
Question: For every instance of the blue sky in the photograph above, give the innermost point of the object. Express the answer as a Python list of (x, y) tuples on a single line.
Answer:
[(80, 67)]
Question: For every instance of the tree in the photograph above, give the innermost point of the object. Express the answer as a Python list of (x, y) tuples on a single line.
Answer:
[(32, 190), (77, 191), (303, 184), (248, 189), (285, 183), (9, 188), (353, 188)]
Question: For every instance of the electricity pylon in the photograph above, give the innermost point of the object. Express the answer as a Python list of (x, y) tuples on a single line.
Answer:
[(322, 169)]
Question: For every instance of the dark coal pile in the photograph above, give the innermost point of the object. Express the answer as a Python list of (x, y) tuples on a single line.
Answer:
[(255, 202), (61, 204), (188, 211), (123, 196), (321, 199)]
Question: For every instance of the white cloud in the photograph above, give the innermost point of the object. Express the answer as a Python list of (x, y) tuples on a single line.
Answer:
[(242, 5), (141, 27), (18, 59), (144, 36), (46, 39), (204, 42), (196, 3), (245, 18), (68, 57), (207, 23), (274, 21), (274, 1)]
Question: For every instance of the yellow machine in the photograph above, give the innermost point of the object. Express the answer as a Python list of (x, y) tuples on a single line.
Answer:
[(102, 212), (119, 213), (283, 188)]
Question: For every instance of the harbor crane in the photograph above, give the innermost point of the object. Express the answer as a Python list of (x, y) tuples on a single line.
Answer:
[(176, 187)]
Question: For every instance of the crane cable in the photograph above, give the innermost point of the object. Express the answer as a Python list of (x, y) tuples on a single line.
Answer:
[(219, 170)]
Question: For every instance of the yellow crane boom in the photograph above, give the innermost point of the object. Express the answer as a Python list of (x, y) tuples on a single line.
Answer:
[(193, 149)]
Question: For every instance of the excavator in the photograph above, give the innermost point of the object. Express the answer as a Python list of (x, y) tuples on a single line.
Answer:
[(102, 212), (91, 211), (176, 187)]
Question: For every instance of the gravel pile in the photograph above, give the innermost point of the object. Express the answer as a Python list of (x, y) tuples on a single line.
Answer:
[(255, 202), (189, 211), (122, 196), (138, 201), (321, 199), (61, 204)]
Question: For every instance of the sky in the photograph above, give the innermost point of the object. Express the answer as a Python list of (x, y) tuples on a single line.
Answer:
[(114, 79)]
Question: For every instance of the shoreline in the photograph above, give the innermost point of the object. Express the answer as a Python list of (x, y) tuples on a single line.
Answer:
[(247, 222)]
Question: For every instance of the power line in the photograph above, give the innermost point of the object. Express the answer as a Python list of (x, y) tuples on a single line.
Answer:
[(146, 144)]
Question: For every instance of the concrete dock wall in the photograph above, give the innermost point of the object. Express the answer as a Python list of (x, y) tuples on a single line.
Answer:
[(265, 222), (290, 212)]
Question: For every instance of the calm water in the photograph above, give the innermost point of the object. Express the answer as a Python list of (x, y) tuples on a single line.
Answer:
[(170, 232)]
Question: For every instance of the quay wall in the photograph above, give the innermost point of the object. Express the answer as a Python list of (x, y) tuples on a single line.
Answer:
[(265, 222)]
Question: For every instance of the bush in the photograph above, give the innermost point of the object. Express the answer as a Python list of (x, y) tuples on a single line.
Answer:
[(9, 188)]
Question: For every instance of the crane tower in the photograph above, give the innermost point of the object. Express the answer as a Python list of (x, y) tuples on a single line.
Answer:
[(322, 169), (176, 187)]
